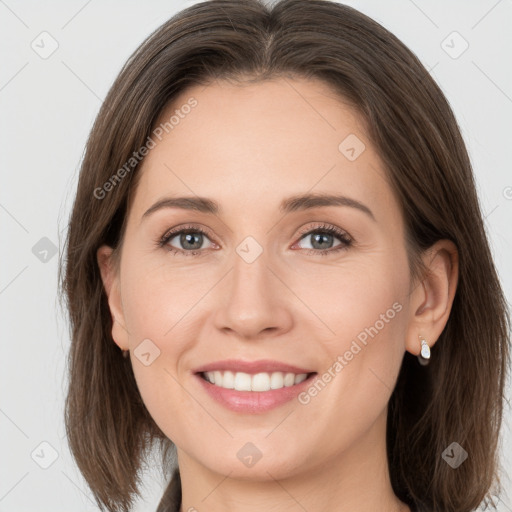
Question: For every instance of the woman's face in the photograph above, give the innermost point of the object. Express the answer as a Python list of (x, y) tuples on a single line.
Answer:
[(265, 283)]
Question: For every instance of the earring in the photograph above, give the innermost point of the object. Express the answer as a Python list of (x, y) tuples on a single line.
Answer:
[(424, 357), (125, 353)]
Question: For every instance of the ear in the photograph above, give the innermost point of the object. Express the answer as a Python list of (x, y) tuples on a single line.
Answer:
[(110, 278), (431, 301)]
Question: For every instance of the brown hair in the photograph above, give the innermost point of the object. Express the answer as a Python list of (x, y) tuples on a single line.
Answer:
[(457, 397)]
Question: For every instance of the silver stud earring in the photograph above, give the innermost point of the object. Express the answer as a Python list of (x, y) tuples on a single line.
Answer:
[(424, 357)]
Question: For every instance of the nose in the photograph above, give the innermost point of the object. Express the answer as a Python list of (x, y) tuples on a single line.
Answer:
[(255, 303)]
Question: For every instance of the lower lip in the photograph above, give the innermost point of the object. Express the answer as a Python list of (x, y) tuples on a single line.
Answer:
[(253, 401)]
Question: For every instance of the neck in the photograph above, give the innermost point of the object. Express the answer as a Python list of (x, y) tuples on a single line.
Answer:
[(356, 480)]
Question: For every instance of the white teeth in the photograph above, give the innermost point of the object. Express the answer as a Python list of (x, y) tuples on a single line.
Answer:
[(258, 382), (289, 379), (276, 380), (242, 382), (228, 381), (300, 378)]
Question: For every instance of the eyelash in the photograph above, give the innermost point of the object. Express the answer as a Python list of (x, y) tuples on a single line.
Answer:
[(324, 229)]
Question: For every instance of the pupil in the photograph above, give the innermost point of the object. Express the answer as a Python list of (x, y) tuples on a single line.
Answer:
[(188, 238), (320, 237)]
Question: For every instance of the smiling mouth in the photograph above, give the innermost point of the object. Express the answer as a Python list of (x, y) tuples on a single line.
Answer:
[(259, 382)]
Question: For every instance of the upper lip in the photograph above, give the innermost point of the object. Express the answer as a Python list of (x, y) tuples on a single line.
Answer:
[(252, 367)]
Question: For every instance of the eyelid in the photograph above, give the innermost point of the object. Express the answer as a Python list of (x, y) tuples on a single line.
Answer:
[(185, 227), (345, 238), (324, 226)]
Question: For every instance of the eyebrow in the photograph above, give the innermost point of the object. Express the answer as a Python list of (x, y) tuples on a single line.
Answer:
[(288, 205)]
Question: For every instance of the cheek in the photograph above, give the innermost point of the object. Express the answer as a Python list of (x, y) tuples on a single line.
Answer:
[(160, 307), (361, 303), (163, 397), (158, 298), (365, 311)]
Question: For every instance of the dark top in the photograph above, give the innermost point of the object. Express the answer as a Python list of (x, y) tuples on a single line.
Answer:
[(171, 500)]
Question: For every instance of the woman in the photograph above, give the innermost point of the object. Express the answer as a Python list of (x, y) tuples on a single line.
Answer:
[(276, 221)]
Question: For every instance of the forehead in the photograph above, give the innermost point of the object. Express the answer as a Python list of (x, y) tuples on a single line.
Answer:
[(256, 143)]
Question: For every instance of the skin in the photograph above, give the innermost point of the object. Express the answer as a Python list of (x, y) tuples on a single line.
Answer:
[(249, 147)]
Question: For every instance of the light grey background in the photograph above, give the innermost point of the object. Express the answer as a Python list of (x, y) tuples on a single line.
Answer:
[(47, 109)]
